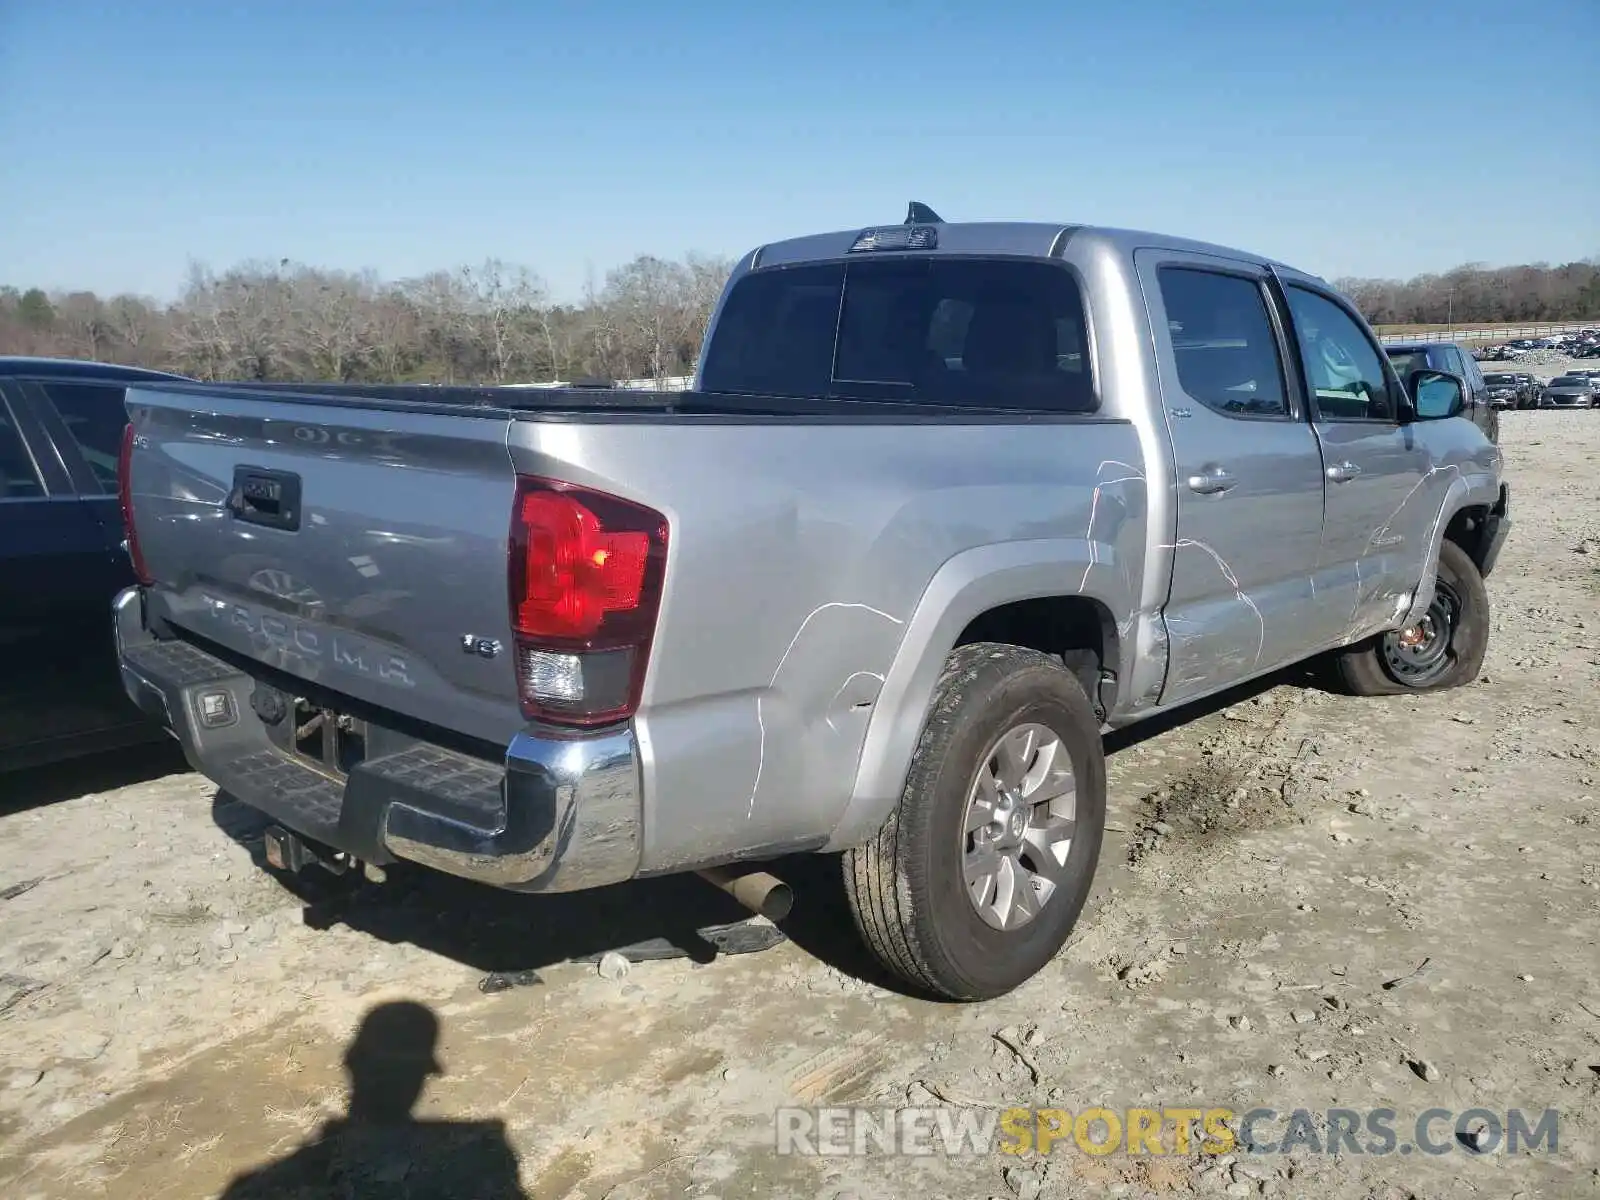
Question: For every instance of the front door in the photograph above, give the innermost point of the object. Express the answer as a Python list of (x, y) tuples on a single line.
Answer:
[(1249, 475), (1380, 514)]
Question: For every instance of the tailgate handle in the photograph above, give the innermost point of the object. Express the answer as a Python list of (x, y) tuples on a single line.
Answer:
[(263, 497)]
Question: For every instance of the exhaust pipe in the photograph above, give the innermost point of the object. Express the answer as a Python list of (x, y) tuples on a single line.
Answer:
[(762, 893)]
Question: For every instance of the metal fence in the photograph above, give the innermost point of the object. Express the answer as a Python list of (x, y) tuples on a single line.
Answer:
[(1486, 333)]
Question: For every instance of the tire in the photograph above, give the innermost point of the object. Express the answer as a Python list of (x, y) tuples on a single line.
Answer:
[(906, 886), (1370, 669)]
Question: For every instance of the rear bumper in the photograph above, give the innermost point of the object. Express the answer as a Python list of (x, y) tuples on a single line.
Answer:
[(557, 813)]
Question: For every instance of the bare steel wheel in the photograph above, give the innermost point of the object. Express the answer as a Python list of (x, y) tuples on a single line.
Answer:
[(1420, 654), (1021, 816), (1443, 649)]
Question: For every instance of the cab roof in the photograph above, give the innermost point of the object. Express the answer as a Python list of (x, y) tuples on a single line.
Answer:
[(1028, 239), (79, 368)]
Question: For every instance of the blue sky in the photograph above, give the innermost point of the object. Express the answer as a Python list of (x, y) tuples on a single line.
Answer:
[(1344, 136)]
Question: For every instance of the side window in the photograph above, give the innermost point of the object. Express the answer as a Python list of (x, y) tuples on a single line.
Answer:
[(95, 415), (1452, 362), (1344, 370), (1407, 361), (18, 478), (1222, 342)]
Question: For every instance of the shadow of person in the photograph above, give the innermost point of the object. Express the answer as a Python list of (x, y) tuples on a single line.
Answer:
[(378, 1149)]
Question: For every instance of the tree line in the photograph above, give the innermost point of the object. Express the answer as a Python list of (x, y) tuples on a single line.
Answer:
[(495, 322), (490, 323), (1530, 294)]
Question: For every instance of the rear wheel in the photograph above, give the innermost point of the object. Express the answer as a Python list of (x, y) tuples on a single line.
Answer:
[(976, 879), (1445, 647)]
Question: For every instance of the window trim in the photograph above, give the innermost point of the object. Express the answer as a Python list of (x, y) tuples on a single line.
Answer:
[(79, 473), (1398, 397), (1095, 411), (1293, 409), (55, 483)]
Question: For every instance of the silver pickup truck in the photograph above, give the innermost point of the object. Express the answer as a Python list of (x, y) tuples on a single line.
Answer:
[(946, 502)]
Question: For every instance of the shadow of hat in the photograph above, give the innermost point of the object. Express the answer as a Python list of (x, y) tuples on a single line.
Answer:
[(399, 1036)]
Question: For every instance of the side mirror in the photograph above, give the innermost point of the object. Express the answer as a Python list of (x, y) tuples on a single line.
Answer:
[(1436, 396)]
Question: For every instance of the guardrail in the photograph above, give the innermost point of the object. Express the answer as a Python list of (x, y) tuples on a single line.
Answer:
[(1486, 333)]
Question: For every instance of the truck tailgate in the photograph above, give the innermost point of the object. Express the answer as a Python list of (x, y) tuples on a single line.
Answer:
[(312, 538)]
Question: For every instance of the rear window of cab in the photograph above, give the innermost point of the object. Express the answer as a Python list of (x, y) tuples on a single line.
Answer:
[(910, 329)]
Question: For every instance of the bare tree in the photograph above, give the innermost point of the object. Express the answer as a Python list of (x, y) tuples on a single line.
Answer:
[(503, 302), (81, 320), (139, 329), (331, 322), (235, 325)]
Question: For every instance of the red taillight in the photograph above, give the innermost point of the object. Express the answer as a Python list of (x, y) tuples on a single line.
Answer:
[(574, 572), (125, 498), (586, 572)]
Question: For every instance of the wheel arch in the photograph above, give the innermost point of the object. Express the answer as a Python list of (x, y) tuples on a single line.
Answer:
[(1469, 516), (1063, 593)]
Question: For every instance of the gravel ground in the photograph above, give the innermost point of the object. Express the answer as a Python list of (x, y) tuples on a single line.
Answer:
[(1307, 902)]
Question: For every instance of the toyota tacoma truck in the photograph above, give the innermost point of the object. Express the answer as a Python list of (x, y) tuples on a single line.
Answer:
[(945, 503)]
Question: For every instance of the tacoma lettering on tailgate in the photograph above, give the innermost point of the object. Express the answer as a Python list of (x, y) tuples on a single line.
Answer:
[(291, 636)]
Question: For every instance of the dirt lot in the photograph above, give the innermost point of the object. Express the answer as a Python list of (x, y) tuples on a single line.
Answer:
[(172, 1016)]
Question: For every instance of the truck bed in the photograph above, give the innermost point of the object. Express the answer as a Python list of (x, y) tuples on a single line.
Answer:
[(610, 403), (803, 539)]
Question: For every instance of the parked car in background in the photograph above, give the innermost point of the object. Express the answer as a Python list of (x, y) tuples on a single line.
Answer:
[(1505, 391), (61, 559), (1529, 389), (1569, 391), (1454, 359)]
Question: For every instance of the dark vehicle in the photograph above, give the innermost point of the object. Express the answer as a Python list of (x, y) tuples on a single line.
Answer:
[(1454, 359), (1505, 391), (61, 560), (1531, 388)]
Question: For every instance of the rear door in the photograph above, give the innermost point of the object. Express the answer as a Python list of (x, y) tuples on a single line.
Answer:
[(61, 678), (57, 559), (34, 527), (1378, 513), (1249, 475), (85, 420)]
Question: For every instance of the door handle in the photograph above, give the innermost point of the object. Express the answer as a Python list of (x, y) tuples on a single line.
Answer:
[(1343, 472), (1212, 480)]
